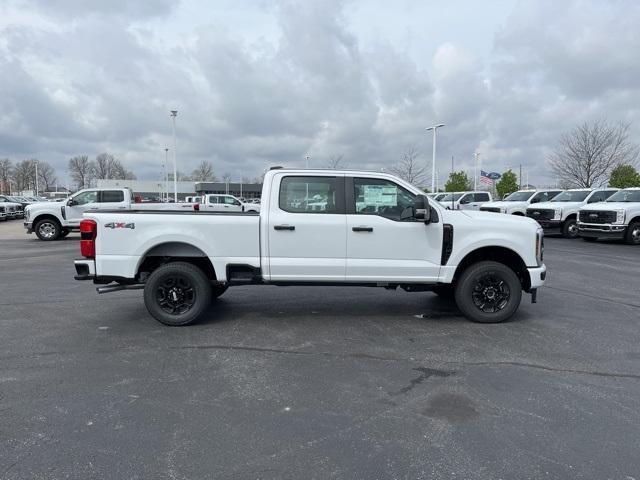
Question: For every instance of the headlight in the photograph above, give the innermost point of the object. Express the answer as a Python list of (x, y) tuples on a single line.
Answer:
[(619, 216), (557, 214), (539, 246)]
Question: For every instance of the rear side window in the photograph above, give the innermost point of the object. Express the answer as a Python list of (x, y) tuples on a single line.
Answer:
[(112, 196), (481, 197), (308, 195)]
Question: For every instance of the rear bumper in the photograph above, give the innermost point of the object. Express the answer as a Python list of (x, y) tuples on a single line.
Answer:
[(601, 231), (85, 269), (537, 276)]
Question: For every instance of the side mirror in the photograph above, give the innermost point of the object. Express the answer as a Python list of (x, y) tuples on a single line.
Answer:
[(465, 200), (71, 202), (422, 209)]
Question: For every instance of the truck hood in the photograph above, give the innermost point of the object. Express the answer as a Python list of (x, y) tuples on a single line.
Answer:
[(490, 219), (557, 205), (10, 204), (43, 206), (611, 206)]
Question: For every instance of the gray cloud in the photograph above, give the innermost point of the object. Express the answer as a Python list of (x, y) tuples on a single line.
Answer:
[(103, 79)]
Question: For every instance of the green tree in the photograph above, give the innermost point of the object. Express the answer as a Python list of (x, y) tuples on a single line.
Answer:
[(458, 182), (508, 183), (624, 176)]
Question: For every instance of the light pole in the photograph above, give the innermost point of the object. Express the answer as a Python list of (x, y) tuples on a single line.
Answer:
[(36, 178), (165, 175), (174, 114), (433, 160), (475, 171), (306, 158)]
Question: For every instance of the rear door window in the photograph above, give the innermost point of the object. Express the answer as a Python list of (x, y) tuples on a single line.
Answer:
[(308, 195), (112, 196)]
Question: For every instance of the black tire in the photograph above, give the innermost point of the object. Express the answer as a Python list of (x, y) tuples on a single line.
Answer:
[(445, 291), (190, 291), (632, 237), (589, 239), (47, 229), (570, 228), (488, 292)]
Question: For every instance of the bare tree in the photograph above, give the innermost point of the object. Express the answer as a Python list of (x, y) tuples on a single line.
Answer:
[(585, 156), (46, 175), (409, 168), (120, 172), (203, 172), (81, 170), (104, 166), (6, 171), (24, 175), (335, 162)]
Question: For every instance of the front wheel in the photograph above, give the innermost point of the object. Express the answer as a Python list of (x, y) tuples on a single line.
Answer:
[(632, 236), (570, 228), (488, 292), (177, 293), (47, 230)]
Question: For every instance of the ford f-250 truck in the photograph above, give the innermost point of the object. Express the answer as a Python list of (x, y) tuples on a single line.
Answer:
[(53, 220), (617, 217), (316, 227), (518, 202), (560, 214)]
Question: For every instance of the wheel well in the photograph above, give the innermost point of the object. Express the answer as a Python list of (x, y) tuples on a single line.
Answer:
[(45, 216), (172, 252), (502, 255), (573, 216), (634, 219)]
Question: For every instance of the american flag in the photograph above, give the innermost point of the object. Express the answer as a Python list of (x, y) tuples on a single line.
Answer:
[(484, 178)]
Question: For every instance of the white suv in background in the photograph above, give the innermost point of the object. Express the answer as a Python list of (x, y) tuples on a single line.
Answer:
[(518, 202), (465, 200), (560, 215)]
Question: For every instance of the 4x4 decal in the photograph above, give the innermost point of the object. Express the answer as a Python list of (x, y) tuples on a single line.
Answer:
[(120, 225)]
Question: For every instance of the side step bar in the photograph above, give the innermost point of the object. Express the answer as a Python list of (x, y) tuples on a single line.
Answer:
[(116, 288)]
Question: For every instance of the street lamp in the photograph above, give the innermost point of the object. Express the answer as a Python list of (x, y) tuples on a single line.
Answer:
[(174, 114), (475, 170), (433, 159)]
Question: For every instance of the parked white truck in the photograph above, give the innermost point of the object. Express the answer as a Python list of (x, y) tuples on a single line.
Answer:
[(373, 229), (465, 200), (617, 217), (215, 202), (518, 202), (560, 214), (53, 220)]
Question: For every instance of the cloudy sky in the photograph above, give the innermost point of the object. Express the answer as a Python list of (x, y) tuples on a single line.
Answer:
[(264, 82)]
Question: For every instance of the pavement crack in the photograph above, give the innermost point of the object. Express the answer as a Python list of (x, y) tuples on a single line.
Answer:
[(425, 374)]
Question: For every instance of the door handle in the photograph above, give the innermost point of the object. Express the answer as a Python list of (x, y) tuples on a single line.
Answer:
[(284, 227), (362, 229)]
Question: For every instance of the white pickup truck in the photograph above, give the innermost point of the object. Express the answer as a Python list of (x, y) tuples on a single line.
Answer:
[(53, 220), (465, 200), (215, 202), (560, 214), (373, 229), (518, 202), (617, 217)]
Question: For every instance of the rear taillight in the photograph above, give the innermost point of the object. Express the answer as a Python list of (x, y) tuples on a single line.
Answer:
[(88, 234), (196, 207)]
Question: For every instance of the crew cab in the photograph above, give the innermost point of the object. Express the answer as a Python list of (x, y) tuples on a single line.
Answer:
[(465, 200), (12, 208), (53, 220), (518, 202), (214, 202), (560, 214), (617, 217), (316, 227)]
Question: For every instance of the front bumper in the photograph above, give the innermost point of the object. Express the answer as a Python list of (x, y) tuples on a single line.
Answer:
[(85, 269), (28, 226), (537, 276), (550, 226), (601, 230)]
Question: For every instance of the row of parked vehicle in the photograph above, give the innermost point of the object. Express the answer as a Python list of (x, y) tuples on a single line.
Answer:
[(12, 206), (582, 212)]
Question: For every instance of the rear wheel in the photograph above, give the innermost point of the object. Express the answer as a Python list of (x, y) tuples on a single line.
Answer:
[(488, 292), (47, 229), (632, 236), (177, 293), (570, 228)]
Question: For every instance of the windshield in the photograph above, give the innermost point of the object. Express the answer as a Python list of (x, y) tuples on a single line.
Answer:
[(572, 196), (625, 196), (440, 196), (519, 197), (451, 196)]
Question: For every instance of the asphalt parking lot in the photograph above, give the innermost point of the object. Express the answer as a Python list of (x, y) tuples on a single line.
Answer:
[(300, 382)]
